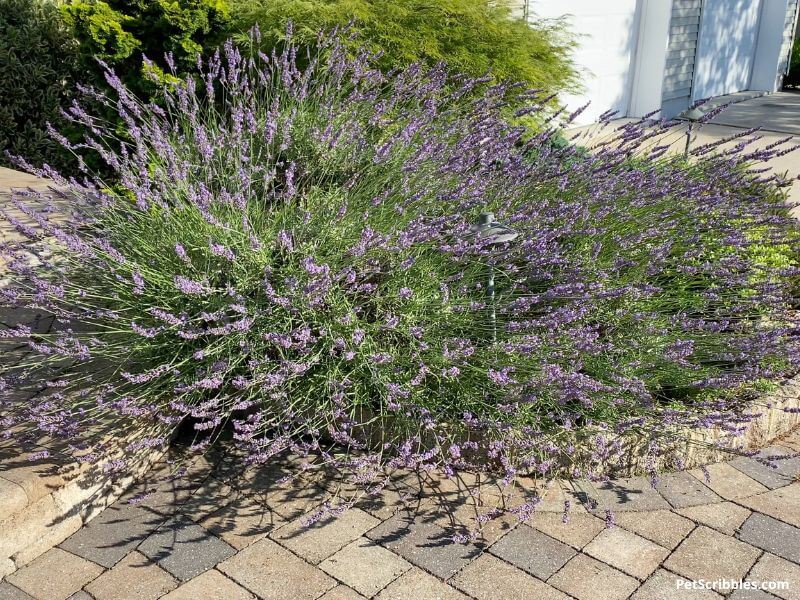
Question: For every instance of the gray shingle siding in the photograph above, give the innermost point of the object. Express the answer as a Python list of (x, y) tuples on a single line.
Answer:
[(684, 29)]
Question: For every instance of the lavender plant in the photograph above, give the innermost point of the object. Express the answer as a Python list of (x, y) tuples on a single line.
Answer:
[(288, 255)]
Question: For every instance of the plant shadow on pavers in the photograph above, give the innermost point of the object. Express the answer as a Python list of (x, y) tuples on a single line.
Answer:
[(139, 512), (185, 549), (241, 521), (112, 535), (425, 545), (464, 507), (772, 467), (630, 494)]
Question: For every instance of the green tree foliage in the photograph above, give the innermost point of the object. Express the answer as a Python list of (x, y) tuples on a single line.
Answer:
[(38, 65), (120, 32), (471, 36), (44, 53), (793, 78)]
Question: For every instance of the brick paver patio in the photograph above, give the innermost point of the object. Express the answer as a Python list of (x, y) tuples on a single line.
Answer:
[(214, 535)]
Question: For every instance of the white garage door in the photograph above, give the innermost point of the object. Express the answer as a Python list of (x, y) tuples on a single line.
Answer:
[(726, 48), (606, 53)]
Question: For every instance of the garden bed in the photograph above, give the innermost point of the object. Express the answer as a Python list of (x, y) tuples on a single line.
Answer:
[(305, 261)]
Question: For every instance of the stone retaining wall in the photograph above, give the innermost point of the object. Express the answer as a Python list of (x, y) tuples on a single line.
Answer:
[(43, 502), (702, 447), (43, 505)]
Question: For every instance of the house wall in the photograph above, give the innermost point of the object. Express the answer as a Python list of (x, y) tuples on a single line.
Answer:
[(653, 57), (679, 66), (609, 32), (640, 55)]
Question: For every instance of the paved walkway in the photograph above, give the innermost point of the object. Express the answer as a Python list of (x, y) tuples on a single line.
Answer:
[(777, 114), (211, 536)]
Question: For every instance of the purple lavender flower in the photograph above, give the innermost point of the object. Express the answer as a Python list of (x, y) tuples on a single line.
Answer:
[(138, 283), (181, 252), (190, 287), (609, 519), (285, 240), (145, 332), (221, 251)]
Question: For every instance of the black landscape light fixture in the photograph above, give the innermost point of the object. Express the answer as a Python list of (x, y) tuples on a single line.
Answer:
[(692, 115), (495, 234)]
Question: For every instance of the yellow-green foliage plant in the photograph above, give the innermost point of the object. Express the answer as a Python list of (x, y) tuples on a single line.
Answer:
[(470, 36), (121, 32)]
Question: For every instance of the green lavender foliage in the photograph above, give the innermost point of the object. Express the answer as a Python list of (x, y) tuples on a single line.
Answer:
[(287, 255)]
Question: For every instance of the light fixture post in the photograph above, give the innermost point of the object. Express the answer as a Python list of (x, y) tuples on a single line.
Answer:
[(496, 234)]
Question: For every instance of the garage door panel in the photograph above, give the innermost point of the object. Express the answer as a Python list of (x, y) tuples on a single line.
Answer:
[(726, 47), (606, 50)]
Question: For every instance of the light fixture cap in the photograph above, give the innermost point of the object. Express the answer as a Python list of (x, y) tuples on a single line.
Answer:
[(693, 114), (492, 231)]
